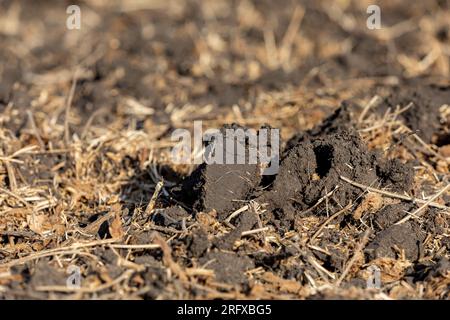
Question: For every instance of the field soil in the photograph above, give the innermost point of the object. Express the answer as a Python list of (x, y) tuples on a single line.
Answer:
[(93, 206)]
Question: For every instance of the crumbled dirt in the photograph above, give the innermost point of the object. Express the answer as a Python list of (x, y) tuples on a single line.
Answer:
[(171, 216), (197, 243), (156, 279), (407, 237), (245, 222), (396, 175), (228, 267), (441, 268), (86, 118), (47, 275), (390, 214)]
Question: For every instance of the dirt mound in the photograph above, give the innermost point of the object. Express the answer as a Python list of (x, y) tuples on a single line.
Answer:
[(314, 163), (314, 167), (222, 187), (318, 162)]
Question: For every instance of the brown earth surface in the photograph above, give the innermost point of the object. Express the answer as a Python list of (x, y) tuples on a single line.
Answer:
[(87, 179)]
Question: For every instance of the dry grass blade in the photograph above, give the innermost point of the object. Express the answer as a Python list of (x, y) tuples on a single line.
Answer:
[(68, 106), (331, 218), (236, 213), (61, 250), (151, 204), (135, 246), (425, 205), (249, 232), (355, 256), (395, 195)]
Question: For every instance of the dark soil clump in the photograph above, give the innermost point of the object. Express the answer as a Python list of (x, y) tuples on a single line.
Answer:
[(390, 214), (220, 187), (171, 216), (406, 236), (197, 243), (396, 175), (313, 167), (228, 267)]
